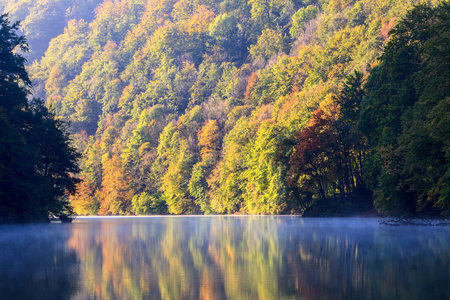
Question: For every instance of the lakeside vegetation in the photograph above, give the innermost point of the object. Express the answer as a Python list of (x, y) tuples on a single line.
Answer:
[(252, 107), (36, 159)]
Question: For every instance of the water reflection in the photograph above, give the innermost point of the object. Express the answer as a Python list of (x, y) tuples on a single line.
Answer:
[(238, 258), (35, 262)]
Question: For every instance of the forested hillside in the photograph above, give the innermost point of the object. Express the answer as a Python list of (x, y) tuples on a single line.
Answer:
[(254, 107), (43, 20)]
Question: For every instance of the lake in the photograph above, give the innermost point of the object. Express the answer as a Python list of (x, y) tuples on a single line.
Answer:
[(226, 257)]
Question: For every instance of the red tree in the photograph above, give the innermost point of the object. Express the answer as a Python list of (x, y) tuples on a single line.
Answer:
[(313, 160)]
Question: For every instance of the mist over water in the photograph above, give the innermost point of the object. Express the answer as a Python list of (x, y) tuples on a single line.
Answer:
[(35, 262), (223, 257)]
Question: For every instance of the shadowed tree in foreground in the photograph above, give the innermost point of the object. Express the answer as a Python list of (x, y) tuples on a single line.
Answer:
[(405, 116), (37, 162)]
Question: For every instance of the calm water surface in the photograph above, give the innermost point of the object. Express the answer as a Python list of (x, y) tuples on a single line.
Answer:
[(223, 258)]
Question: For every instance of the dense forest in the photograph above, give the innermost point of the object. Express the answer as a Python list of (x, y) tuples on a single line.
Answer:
[(43, 20), (250, 107)]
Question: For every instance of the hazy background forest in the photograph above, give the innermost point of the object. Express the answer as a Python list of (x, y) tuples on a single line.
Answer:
[(252, 107)]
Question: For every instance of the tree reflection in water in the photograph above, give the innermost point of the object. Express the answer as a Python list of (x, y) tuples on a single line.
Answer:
[(35, 262), (223, 258), (258, 258)]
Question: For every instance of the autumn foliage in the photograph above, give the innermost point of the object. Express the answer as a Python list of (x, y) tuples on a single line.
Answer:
[(252, 107)]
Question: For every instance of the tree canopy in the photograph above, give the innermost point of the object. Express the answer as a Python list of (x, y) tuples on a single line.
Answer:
[(253, 107), (405, 115)]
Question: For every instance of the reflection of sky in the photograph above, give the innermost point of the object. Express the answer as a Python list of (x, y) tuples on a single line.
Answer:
[(224, 257)]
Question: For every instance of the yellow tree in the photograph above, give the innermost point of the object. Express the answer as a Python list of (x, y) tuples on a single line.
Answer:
[(84, 202), (116, 194), (209, 139)]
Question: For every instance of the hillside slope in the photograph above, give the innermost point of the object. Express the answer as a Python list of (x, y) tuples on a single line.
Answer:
[(217, 106)]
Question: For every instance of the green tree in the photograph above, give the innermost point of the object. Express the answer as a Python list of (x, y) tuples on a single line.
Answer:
[(408, 164), (178, 153), (351, 144), (301, 17), (271, 42), (147, 204), (266, 189), (175, 180)]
